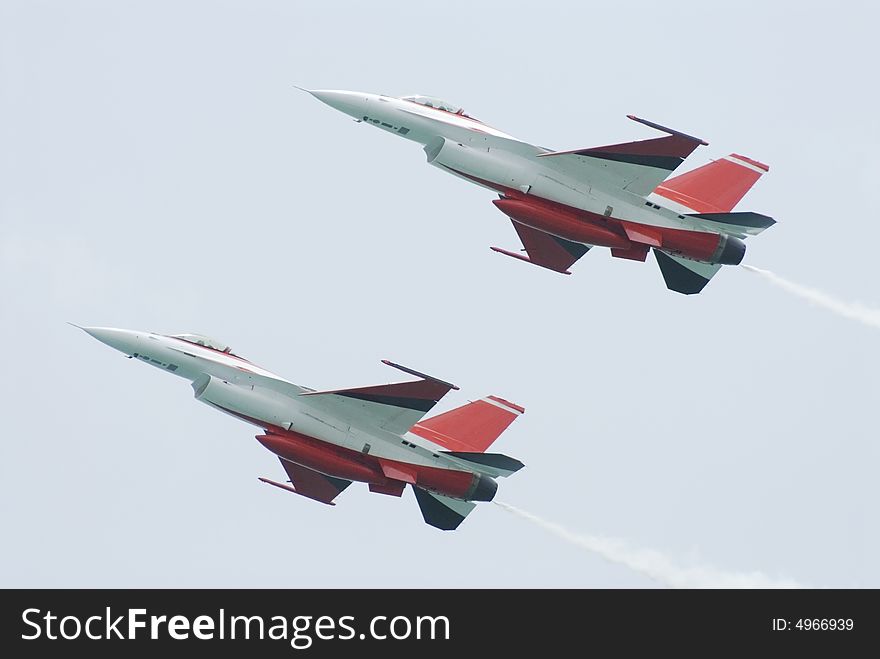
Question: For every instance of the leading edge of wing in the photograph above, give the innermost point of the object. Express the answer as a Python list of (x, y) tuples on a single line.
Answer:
[(394, 407), (637, 167), (414, 394), (545, 250), (682, 147), (310, 483)]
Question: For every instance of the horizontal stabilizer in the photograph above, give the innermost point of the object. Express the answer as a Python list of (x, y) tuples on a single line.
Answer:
[(393, 407), (471, 427), (746, 223), (491, 464), (444, 513), (715, 187), (684, 275)]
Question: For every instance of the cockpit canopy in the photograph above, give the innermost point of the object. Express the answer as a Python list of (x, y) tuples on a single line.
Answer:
[(202, 340), (432, 102)]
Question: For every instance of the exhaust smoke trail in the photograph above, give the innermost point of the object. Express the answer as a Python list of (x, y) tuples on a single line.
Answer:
[(851, 310), (652, 563)]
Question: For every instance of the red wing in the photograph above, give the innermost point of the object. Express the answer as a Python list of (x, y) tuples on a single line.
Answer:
[(546, 250), (313, 484)]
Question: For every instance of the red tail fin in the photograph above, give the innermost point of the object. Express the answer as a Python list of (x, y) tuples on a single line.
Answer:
[(472, 427), (716, 187)]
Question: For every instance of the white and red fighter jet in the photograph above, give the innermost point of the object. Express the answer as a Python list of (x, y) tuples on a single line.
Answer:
[(327, 439), (562, 203)]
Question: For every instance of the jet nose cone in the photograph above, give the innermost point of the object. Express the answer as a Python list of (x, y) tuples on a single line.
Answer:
[(351, 103), (120, 339)]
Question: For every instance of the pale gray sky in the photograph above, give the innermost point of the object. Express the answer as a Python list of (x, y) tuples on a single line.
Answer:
[(159, 171)]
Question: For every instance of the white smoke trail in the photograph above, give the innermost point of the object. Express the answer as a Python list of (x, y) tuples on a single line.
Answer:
[(851, 310), (652, 563)]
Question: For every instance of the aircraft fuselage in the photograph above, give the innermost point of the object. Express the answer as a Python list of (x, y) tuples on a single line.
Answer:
[(549, 199), (296, 431)]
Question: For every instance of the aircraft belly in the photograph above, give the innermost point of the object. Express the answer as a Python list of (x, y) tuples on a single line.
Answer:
[(489, 185), (268, 408), (592, 199), (378, 445), (271, 409), (569, 193), (321, 457), (494, 168), (341, 462), (393, 447)]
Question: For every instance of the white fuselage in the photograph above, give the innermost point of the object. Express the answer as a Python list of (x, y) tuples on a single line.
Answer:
[(483, 155), (240, 388)]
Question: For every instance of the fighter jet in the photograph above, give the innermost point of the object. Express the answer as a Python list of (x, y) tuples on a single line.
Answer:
[(327, 439), (562, 203)]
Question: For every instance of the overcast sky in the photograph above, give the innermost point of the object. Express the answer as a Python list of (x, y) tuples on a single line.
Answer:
[(158, 170)]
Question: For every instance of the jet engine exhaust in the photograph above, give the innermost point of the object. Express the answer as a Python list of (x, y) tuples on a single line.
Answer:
[(652, 563), (731, 251), (484, 489), (851, 310)]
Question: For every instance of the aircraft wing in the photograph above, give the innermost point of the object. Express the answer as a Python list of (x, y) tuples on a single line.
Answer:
[(637, 167), (310, 483), (545, 250), (392, 407)]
